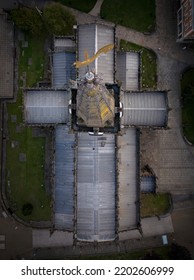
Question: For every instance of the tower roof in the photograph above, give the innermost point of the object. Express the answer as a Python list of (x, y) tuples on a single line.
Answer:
[(95, 103)]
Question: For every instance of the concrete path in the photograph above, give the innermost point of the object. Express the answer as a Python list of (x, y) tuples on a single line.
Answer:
[(154, 226), (96, 10), (183, 221)]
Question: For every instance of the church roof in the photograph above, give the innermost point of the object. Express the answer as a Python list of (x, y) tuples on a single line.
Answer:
[(95, 103)]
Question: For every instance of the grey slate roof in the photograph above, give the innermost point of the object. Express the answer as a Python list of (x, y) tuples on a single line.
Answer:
[(6, 57), (145, 109), (96, 187), (46, 106), (64, 178), (63, 69), (92, 37), (127, 179), (128, 64)]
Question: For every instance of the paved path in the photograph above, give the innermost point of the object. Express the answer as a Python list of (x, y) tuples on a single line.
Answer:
[(96, 10), (18, 239)]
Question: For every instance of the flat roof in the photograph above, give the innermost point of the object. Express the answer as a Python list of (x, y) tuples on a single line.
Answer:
[(6, 57), (96, 187), (46, 106), (128, 179), (145, 109), (63, 69), (128, 64), (64, 178)]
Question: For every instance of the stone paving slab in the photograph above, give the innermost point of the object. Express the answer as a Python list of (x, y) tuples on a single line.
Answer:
[(154, 226), (177, 158), (176, 176)]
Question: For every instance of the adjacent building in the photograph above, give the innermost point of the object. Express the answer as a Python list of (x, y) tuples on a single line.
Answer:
[(185, 21), (7, 55)]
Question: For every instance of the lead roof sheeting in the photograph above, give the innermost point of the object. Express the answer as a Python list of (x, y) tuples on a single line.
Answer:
[(121, 68), (62, 43), (86, 42), (145, 109), (46, 107), (91, 38), (128, 64), (64, 178), (127, 179), (105, 62), (63, 69), (96, 187)]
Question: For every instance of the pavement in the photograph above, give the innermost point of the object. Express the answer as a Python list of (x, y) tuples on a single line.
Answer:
[(96, 10), (165, 151), (17, 239)]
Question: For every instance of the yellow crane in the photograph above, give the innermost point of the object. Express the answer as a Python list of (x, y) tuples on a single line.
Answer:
[(88, 59)]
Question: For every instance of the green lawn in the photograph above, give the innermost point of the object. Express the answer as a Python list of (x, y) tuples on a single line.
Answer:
[(149, 64), (25, 153), (84, 6), (154, 204), (187, 92), (135, 14)]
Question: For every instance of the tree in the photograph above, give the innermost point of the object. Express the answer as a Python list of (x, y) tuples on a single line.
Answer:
[(27, 209), (179, 252), (54, 19), (28, 20), (58, 20)]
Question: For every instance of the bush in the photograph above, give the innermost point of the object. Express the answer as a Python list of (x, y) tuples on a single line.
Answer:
[(54, 19), (27, 209), (28, 19), (58, 20), (179, 252), (187, 92)]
